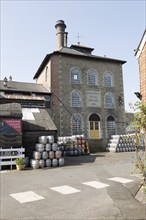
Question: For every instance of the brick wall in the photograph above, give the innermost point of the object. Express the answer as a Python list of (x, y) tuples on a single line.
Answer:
[(142, 70)]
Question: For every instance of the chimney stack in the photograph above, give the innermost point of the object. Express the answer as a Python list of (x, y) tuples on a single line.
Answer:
[(61, 35)]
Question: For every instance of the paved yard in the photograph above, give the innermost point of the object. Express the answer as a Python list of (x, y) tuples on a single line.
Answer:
[(98, 186)]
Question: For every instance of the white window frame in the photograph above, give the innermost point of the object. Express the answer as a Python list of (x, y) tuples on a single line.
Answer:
[(75, 75)]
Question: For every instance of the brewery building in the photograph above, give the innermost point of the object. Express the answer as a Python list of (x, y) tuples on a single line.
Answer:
[(87, 94)]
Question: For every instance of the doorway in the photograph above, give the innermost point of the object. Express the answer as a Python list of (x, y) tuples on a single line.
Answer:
[(94, 122)]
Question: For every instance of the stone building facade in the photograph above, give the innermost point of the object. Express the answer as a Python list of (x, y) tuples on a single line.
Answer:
[(86, 91), (141, 56)]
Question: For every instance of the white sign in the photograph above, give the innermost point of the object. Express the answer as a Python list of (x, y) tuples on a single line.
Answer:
[(93, 99)]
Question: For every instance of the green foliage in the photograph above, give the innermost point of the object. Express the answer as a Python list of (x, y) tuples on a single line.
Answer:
[(139, 125), (139, 122), (20, 161)]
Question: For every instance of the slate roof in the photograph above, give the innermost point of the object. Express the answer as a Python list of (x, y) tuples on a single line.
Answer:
[(37, 119), (72, 52), (24, 87), (11, 110)]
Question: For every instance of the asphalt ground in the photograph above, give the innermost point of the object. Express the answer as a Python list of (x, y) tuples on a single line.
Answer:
[(96, 186)]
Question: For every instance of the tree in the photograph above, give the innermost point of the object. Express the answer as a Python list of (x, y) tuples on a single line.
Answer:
[(139, 125)]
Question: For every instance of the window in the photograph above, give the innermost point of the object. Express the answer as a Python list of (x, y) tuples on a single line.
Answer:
[(110, 123), (109, 101), (92, 78), (77, 124), (108, 80), (76, 99), (75, 76)]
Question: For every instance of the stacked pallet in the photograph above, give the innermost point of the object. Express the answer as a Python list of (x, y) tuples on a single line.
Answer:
[(121, 143)]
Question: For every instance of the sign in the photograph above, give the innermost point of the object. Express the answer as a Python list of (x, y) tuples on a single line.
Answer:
[(10, 126), (93, 99)]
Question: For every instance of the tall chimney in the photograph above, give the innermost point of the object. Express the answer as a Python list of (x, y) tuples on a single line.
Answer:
[(61, 35)]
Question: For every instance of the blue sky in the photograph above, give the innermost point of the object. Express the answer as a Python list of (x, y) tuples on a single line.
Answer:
[(113, 28)]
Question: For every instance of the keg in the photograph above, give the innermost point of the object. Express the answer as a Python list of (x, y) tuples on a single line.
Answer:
[(54, 146), (54, 162), (83, 141), (64, 153), (42, 139), (61, 161), (79, 151), (75, 152), (50, 139), (79, 141), (51, 154), (58, 154), (71, 147), (41, 163), (117, 149), (71, 152), (36, 155), (82, 151), (34, 164), (48, 163), (45, 155), (39, 147), (48, 147)]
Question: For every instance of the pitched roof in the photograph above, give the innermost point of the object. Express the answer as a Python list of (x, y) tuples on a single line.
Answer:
[(141, 45), (37, 119), (11, 110), (71, 51), (23, 87)]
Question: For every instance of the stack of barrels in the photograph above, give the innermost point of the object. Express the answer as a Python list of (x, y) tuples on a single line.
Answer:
[(47, 153), (75, 146), (121, 143)]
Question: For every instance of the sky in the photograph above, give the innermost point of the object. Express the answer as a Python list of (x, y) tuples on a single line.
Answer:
[(113, 28)]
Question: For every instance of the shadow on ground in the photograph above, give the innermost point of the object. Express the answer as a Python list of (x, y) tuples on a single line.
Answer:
[(79, 160)]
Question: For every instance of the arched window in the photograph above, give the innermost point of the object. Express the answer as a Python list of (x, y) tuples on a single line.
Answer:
[(92, 78), (110, 123), (46, 74), (77, 124), (75, 75), (109, 100), (108, 81), (76, 99)]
